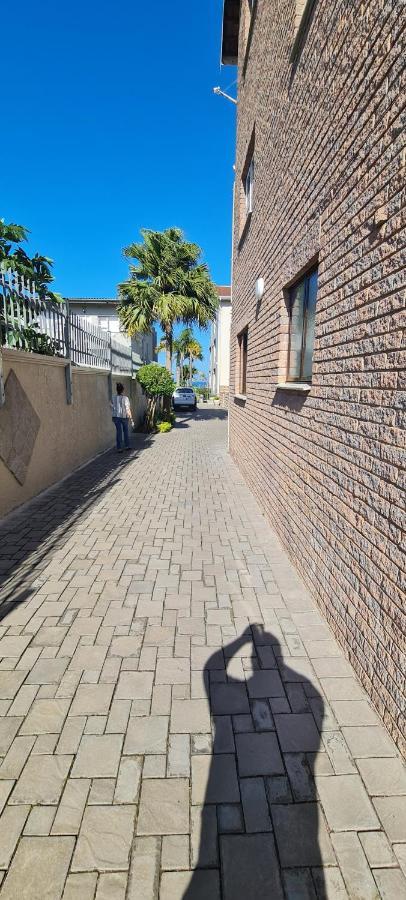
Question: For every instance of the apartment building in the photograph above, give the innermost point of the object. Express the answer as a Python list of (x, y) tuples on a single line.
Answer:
[(102, 311), (317, 365), (219, 377)]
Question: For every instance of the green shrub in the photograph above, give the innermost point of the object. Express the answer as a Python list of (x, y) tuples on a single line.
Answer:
[(163, 427), (156, 382)]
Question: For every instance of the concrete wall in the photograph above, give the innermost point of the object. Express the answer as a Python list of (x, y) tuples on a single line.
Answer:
[(220, 352), (69, 435), (224, 348), (329, 170)]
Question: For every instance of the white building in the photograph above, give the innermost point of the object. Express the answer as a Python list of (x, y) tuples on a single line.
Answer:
[(219, 378), (102, 311)]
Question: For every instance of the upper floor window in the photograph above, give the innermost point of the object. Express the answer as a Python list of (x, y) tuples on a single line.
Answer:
[(302, 312), (249, 187), (242, 352)]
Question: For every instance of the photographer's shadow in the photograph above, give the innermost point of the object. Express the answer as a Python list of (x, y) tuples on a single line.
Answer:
[(261, 832)]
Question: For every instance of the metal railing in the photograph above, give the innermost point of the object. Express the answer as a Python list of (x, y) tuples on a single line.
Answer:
[(26, 319)]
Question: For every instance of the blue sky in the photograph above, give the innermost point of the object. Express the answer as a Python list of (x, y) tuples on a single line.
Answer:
[(110, 124)]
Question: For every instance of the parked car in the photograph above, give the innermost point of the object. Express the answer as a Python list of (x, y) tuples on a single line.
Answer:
[(184, 398)]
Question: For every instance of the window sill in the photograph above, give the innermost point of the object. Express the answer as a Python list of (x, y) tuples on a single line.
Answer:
[(241, 397), (297, 386)]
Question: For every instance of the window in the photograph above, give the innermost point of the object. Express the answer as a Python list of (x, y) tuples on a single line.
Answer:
[(302, 310), (103, 323), (248, 19), (249, 187), (242, 349)]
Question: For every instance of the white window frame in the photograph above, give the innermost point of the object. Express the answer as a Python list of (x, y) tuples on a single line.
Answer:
[(249, 187)]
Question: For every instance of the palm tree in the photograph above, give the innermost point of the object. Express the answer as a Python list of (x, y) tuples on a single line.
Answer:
[(167, 285), (195, 351), (180, 347)]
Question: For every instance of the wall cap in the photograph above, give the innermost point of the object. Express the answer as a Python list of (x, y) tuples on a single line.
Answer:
[(22, 356)]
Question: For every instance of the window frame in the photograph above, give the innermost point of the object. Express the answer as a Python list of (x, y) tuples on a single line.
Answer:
[(242, 346), (300, 379), (249, 181)]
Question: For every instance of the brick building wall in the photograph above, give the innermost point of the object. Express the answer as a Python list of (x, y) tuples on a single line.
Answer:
[(327, 465)]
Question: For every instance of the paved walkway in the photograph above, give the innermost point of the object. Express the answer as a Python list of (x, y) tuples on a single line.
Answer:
[(176, 718)]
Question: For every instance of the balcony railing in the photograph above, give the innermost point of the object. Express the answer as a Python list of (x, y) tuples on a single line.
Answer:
[(28, 322)]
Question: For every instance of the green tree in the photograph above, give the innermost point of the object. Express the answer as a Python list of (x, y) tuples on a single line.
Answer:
[(35, 268), (180, 348), (156, 382), (167, 284), (194, 352)]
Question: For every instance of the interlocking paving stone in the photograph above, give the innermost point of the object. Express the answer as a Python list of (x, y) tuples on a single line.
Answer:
[(190, 717), (199, 885), (391, 884), (214, 779), (368, 741), (301, 835), (42, 780), (45, 717), (203, 838), (80, 887), (105, 839), (229, 699), (134, 686), (258, 754), (250, 867), (146, 735), (10, 683), (29, 881), (346, 803), (392, 813), (175, 852), (178, 608), (354, 866), (98, 756), (377, 849), (92, 700), (384, 777), (297, 732), (12, 822), (164, 807)]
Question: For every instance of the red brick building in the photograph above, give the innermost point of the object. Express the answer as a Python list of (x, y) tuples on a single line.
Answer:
[(317, 367)]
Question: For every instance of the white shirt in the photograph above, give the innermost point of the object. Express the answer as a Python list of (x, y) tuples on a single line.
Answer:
[(121, 406)]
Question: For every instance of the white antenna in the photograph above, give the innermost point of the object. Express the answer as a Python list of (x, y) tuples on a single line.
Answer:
[(217, 90)]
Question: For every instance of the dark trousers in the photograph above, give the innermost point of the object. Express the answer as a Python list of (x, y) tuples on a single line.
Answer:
[(121, 432)]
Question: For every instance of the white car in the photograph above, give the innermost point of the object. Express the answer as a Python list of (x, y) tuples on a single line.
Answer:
[(184, 398)]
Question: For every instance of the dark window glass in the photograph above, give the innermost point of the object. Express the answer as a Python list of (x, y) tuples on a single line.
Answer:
[(302, 312), (242, 361)]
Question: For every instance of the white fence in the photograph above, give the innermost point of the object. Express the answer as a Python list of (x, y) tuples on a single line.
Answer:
[(28, 322)]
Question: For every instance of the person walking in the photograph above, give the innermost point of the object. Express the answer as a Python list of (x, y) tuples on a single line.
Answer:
[(122, 415)]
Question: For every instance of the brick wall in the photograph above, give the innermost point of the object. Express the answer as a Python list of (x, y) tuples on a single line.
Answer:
[(329, 172)]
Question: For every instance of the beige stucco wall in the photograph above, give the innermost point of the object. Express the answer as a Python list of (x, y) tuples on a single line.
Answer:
[(69, 435)]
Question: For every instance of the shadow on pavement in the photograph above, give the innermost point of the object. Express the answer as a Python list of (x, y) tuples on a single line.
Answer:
[(208, 415), (29, 534), (261, 835)]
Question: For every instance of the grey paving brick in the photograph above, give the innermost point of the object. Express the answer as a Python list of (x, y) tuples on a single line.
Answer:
[(346, 803), (29, 881), (105, 839), (164, 807), (354, 866), (250, 867), (146, 734), (258, 754), (42, 780)]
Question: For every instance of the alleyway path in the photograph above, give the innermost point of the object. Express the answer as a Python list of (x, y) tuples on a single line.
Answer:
[(176, 719)]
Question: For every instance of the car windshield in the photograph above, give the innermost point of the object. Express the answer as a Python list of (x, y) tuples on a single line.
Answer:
[(184, 391)]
